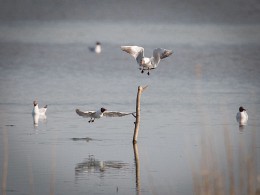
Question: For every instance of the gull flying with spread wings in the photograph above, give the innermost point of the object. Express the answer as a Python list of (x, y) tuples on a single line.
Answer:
[(100, 113), (146, 63)]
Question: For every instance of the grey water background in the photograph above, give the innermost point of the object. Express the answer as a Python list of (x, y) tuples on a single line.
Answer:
[(189, 141)]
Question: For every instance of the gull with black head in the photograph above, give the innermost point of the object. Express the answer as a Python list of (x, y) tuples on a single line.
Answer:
[(242, 116), (100, 113), (97, 48)]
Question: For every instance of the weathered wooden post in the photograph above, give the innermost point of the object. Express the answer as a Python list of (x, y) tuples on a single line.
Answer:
[(137, 169), (137, 116)]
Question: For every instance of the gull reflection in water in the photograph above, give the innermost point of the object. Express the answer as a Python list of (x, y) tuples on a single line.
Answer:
[(93, 165), (37, 118), (241, 128)]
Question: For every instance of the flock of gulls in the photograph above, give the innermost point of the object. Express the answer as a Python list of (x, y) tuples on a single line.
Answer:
[(145, 64)]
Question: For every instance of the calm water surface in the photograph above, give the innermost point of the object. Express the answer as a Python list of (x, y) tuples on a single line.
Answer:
[(189, 141)]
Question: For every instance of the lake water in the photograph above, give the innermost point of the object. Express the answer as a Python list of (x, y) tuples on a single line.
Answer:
[(189, 141)]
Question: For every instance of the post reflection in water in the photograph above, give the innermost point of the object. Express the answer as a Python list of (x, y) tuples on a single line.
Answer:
[(93, 165), (137, 168)]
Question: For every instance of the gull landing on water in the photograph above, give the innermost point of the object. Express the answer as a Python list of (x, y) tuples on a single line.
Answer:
[(144, 62), (100, 113), (242, 116)]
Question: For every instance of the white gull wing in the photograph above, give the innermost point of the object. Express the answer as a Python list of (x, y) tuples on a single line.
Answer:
[(135, 51), (85, 114), (160, 53), (43, 110), (116, 114)]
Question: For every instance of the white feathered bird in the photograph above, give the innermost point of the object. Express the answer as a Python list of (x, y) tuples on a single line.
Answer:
[(100, 113), (97, 48), (242, 116), (146, 63), (38, 111)]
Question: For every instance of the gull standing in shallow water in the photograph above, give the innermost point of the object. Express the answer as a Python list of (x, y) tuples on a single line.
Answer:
[(242, 116), (100, 113), (146, 63)]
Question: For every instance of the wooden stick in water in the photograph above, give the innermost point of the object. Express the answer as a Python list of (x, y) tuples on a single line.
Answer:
[(138, 108)]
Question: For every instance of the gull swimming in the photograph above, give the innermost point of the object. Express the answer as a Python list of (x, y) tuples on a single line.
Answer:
[(100, 113), (97, 48), (38, 113), (146, 63), (242, 116)]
